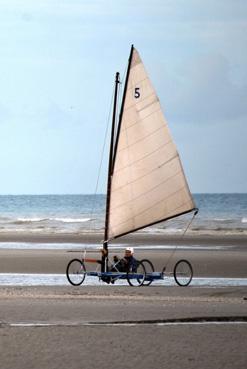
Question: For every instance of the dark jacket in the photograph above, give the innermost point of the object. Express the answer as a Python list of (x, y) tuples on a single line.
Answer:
[(127, 263)]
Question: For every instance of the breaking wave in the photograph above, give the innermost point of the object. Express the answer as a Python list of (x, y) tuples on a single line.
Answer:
[(39, 220), (219, 213)]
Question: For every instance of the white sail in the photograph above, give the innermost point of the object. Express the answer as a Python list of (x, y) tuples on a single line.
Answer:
[(148, 183)]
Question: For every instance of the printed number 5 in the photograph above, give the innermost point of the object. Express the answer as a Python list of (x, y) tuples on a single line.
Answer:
[(137, 92)]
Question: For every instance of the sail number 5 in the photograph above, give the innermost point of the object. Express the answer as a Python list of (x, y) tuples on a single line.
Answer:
[(137, 92)]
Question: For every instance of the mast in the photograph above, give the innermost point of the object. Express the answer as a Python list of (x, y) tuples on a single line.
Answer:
[(110, 166), (122, 105)]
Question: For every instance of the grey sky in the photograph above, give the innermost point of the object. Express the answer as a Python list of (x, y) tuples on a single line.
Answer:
[(57, 66)]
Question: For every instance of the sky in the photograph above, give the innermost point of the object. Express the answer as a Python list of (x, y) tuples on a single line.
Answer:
[(58, 60)]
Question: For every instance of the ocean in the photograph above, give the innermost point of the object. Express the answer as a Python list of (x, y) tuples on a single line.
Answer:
[(218, 213)]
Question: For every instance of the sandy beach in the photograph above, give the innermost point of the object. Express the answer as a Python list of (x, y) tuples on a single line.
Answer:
[(124, 120), (210, 256), (45, 327), (108, 326)]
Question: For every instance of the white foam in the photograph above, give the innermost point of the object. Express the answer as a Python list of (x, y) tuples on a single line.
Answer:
[(47, 246), (29, 220), (57, 219), (98, 246), (71, 220), (24, 279)]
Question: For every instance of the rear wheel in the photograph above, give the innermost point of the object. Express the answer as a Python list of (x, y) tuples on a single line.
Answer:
[(183, 273), (76, 272), (149, 268), (136, 277)]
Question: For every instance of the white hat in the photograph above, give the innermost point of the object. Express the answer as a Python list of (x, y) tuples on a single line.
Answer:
[(131, 249)]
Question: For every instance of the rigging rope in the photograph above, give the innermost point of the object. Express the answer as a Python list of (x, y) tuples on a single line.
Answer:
[(186, 228), (99, 169), (103, 149)]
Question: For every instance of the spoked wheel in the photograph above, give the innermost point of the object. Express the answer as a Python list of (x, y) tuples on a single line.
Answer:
[(76, 272), (149, 268), (136, 277), (183, 273)]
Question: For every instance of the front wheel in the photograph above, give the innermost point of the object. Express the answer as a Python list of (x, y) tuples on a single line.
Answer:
[(76, 272), (183, 273), (136, 276), (149, 268)]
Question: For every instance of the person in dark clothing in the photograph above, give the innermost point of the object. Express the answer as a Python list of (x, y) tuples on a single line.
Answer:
[(127, 263)]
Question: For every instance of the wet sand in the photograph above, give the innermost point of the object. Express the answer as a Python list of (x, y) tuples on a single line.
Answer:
[(124, 327), (206, 263), (209, 256), (137, 238)]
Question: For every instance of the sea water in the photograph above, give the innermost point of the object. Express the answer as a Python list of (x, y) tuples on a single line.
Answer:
[(24, 279), (75, 214), (218, 213)]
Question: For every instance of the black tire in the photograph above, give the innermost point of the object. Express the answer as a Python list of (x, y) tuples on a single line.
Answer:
[(149, 268), (136, 277), (76, 272), (183, 273)]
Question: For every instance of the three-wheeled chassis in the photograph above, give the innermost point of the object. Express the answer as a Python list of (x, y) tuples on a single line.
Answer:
[(143, 275)]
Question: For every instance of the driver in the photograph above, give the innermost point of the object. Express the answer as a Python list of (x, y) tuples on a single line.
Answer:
[(128, 262)]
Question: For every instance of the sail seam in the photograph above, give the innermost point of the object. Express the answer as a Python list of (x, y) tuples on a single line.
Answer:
[(150, 224), (145, 210), (142, 119), (147, 174), (141, 139), (148, 105), (168, 216), (146, 192), (141, 101), (144, 157), (142, 80)]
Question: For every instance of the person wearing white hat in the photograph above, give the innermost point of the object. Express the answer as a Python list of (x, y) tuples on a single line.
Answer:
[(127, 263), (129, 251)]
